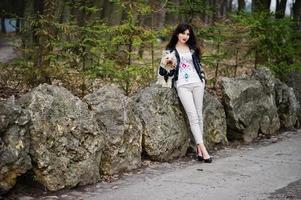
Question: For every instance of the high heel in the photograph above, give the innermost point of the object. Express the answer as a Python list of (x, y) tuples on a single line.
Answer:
[(208, 160), (200, 158)]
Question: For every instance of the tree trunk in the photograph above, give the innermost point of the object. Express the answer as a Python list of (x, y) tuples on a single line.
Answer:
[(204, 14), (60, 11), (99, 5), (18, 26), (20, 8), (297, 13), (3, 28), (241, 5), (221, 8), (173, 18), (209, 17), (261, 5), (280, 8), (27, 38), (38, 8), (42, 44), (229, 6), (107, 10), (116, 14), (215, 6), (267, 5), (158, 14)]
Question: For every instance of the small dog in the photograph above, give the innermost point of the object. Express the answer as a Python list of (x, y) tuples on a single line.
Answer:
[(168, 62)]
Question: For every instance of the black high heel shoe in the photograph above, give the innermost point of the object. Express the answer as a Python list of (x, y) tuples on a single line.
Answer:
[(208, 160), (200, 158)]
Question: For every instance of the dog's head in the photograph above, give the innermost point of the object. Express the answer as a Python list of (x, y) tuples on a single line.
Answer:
[(169, 60)]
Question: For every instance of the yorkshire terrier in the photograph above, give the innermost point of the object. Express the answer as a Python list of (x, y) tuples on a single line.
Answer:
[(168, 62)]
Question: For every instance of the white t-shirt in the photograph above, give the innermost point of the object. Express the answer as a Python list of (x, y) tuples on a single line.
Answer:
[(187, 72)]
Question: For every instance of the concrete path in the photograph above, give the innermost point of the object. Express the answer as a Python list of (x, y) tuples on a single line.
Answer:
[(247, 173)]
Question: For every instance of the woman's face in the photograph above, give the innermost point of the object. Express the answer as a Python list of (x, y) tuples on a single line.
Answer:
[(183, 37)]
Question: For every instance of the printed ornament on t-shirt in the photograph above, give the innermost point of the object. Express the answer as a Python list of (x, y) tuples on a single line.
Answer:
[(186, 67), (187, 72)]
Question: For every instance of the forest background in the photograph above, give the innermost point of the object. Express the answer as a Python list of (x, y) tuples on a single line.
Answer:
[(83, 44)]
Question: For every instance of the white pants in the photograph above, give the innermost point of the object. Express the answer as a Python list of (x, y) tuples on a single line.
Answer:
[(191, 96)]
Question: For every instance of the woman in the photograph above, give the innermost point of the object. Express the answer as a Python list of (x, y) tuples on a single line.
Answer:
[(189, 81)]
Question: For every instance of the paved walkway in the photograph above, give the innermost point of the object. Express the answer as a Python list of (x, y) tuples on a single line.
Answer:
[(247, 173)]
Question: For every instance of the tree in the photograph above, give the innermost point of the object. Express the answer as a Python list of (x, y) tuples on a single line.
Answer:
[(274, 42), (261, 5), (189, 9), (229, 6), (3, 29), (12, 9), (297, 13), (41, 36), (222, 11), (280, 8), (241, 5), (172, 15)]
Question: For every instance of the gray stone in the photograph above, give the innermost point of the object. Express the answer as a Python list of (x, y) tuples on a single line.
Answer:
[(25, 198), (14, 143), (215, 125), (166, 134), (66, 142), (294, 81), (250, 108), (50, 198), (123, 129), (266, 79), (287, 104)]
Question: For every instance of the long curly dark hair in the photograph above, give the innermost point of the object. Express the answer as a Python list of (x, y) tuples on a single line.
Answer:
[(192, 43)]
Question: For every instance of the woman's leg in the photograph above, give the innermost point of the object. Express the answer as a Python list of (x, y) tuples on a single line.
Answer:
[(187, 100), (198, 96)]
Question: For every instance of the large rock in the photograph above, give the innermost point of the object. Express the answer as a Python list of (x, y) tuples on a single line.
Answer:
[(286, 102), (294, 81), (215, 125), (166, 134), (266, 79), (123, 129), (66, 142), (14, 143), (250, 108)]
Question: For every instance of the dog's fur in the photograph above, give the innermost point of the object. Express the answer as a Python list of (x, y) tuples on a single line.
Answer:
[(168, 62)]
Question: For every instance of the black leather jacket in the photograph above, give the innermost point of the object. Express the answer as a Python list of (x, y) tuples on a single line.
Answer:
[(175, 72)]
